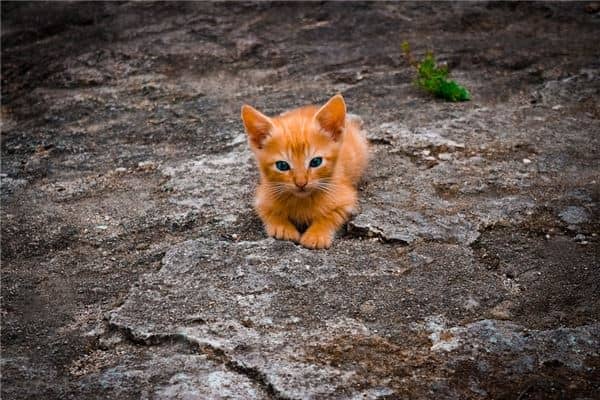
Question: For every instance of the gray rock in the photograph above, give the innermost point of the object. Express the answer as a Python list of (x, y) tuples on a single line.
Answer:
[(214, 184), (253, 302), (9, 185), (443, 288), (570, 346), (408, 226), (174, 376), (574, 215)]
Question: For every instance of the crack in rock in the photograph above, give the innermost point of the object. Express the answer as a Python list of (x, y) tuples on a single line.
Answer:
[(278, 313), (182, 384)]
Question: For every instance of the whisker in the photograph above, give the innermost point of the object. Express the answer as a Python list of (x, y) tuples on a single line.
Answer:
[(276, 189), (326, 187)]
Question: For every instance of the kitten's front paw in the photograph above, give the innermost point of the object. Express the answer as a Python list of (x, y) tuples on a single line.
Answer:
[(316, 240), (283, 232)]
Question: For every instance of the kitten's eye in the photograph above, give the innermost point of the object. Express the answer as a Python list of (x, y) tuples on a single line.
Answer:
[(315, 162), (282, 165)]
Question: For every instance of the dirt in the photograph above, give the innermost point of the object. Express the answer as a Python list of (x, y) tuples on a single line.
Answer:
[(133, 265)]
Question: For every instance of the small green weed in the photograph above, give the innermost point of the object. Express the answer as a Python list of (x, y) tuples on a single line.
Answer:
[(434, 79)]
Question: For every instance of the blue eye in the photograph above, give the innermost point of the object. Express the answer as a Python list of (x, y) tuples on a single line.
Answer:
[(282, 165), (315, 162)]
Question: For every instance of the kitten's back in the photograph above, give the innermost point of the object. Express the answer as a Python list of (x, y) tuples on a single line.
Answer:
[(354, 154)]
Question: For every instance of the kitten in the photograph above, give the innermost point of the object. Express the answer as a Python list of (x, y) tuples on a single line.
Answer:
[(310, 160)]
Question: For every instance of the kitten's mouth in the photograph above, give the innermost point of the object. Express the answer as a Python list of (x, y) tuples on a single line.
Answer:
[(302, 193)]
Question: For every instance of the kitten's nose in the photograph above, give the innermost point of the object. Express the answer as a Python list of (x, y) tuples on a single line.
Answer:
[(300, 183)]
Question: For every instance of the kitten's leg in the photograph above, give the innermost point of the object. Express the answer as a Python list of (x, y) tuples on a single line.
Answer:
[(280, 228), (319, 234), (276, 224)]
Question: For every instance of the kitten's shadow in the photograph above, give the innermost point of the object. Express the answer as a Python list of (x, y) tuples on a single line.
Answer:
[(301, 227)]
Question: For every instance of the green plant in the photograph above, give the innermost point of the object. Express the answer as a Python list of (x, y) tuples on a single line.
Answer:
[(434, 79)]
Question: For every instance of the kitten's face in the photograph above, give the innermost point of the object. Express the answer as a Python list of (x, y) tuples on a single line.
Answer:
[(300, 163), (297, 151)]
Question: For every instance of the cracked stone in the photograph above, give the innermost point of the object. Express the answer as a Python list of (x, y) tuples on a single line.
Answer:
[(175, 376), (247, 316), (442, 286)]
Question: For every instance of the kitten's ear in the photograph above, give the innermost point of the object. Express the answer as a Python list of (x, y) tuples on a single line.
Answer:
[(258, 126), (332, 116)]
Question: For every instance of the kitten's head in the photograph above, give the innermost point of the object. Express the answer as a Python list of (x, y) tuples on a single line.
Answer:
[(297, 151)]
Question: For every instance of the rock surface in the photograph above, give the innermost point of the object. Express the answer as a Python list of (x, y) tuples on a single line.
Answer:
[(134, 267)]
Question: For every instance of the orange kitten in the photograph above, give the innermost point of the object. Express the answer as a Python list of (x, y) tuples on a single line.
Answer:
[(310, 161)]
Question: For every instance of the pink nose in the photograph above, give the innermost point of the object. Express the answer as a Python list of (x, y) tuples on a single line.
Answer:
[(300, 184)]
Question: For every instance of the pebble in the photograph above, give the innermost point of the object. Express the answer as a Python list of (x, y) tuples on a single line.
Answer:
[(581, 239), (445, 156), (102, 227), (526, 161), (146, 165), (502, 310), (121, 169)]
